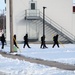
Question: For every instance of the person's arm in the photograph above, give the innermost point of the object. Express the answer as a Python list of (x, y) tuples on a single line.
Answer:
[(15, 43)]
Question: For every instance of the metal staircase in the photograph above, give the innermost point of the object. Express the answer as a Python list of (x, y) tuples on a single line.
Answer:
[(59, 29), (51, 29), (49, 32)]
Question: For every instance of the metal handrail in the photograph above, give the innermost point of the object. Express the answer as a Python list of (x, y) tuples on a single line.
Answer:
[(58, 27), (29, 12)]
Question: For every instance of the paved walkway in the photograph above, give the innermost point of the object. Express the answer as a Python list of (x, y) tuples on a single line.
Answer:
[(39, 61), (1, 73)]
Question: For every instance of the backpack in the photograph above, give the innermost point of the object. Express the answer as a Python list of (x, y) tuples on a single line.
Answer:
[(54, 38), (24, 37)]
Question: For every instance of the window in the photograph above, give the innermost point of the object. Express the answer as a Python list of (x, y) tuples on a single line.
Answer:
[(33, 6), (5, 1), (73, 8)]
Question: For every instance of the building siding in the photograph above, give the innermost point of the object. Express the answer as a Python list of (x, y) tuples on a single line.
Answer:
[(58, 10)]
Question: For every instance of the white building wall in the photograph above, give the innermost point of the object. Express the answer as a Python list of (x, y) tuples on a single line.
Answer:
[(7, 22), (58, 10), (73, 26), (18, 18)]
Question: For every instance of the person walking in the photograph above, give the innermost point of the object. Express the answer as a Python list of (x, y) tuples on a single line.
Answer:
[(43, 44), (3, 41), (26, 41), (55, 39), (14, 41)]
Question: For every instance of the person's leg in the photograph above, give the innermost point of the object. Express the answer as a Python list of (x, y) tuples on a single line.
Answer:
[(45, 45), (53, 45), (28, 45), (41, 45), (57, 44), (2, 45), (24, 44)]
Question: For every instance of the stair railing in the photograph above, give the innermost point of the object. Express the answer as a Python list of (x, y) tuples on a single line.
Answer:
[(58, 27)]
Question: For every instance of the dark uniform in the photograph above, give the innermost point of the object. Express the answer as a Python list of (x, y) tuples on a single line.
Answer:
[(3, 40), (14, 41), (26, 41), (55, 39), (43, 42)]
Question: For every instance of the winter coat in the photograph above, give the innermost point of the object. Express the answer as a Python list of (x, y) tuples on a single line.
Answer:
[(2, 38)]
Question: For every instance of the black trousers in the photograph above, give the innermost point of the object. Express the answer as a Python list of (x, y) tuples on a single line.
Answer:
[(2, 45), (55, 43), (26, 44), (43, 45)]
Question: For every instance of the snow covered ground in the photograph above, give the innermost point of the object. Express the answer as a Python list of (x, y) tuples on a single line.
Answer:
[(16, 67), (65, 54)]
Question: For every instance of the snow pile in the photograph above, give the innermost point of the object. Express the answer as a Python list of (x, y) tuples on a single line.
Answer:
[(16, 67)]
